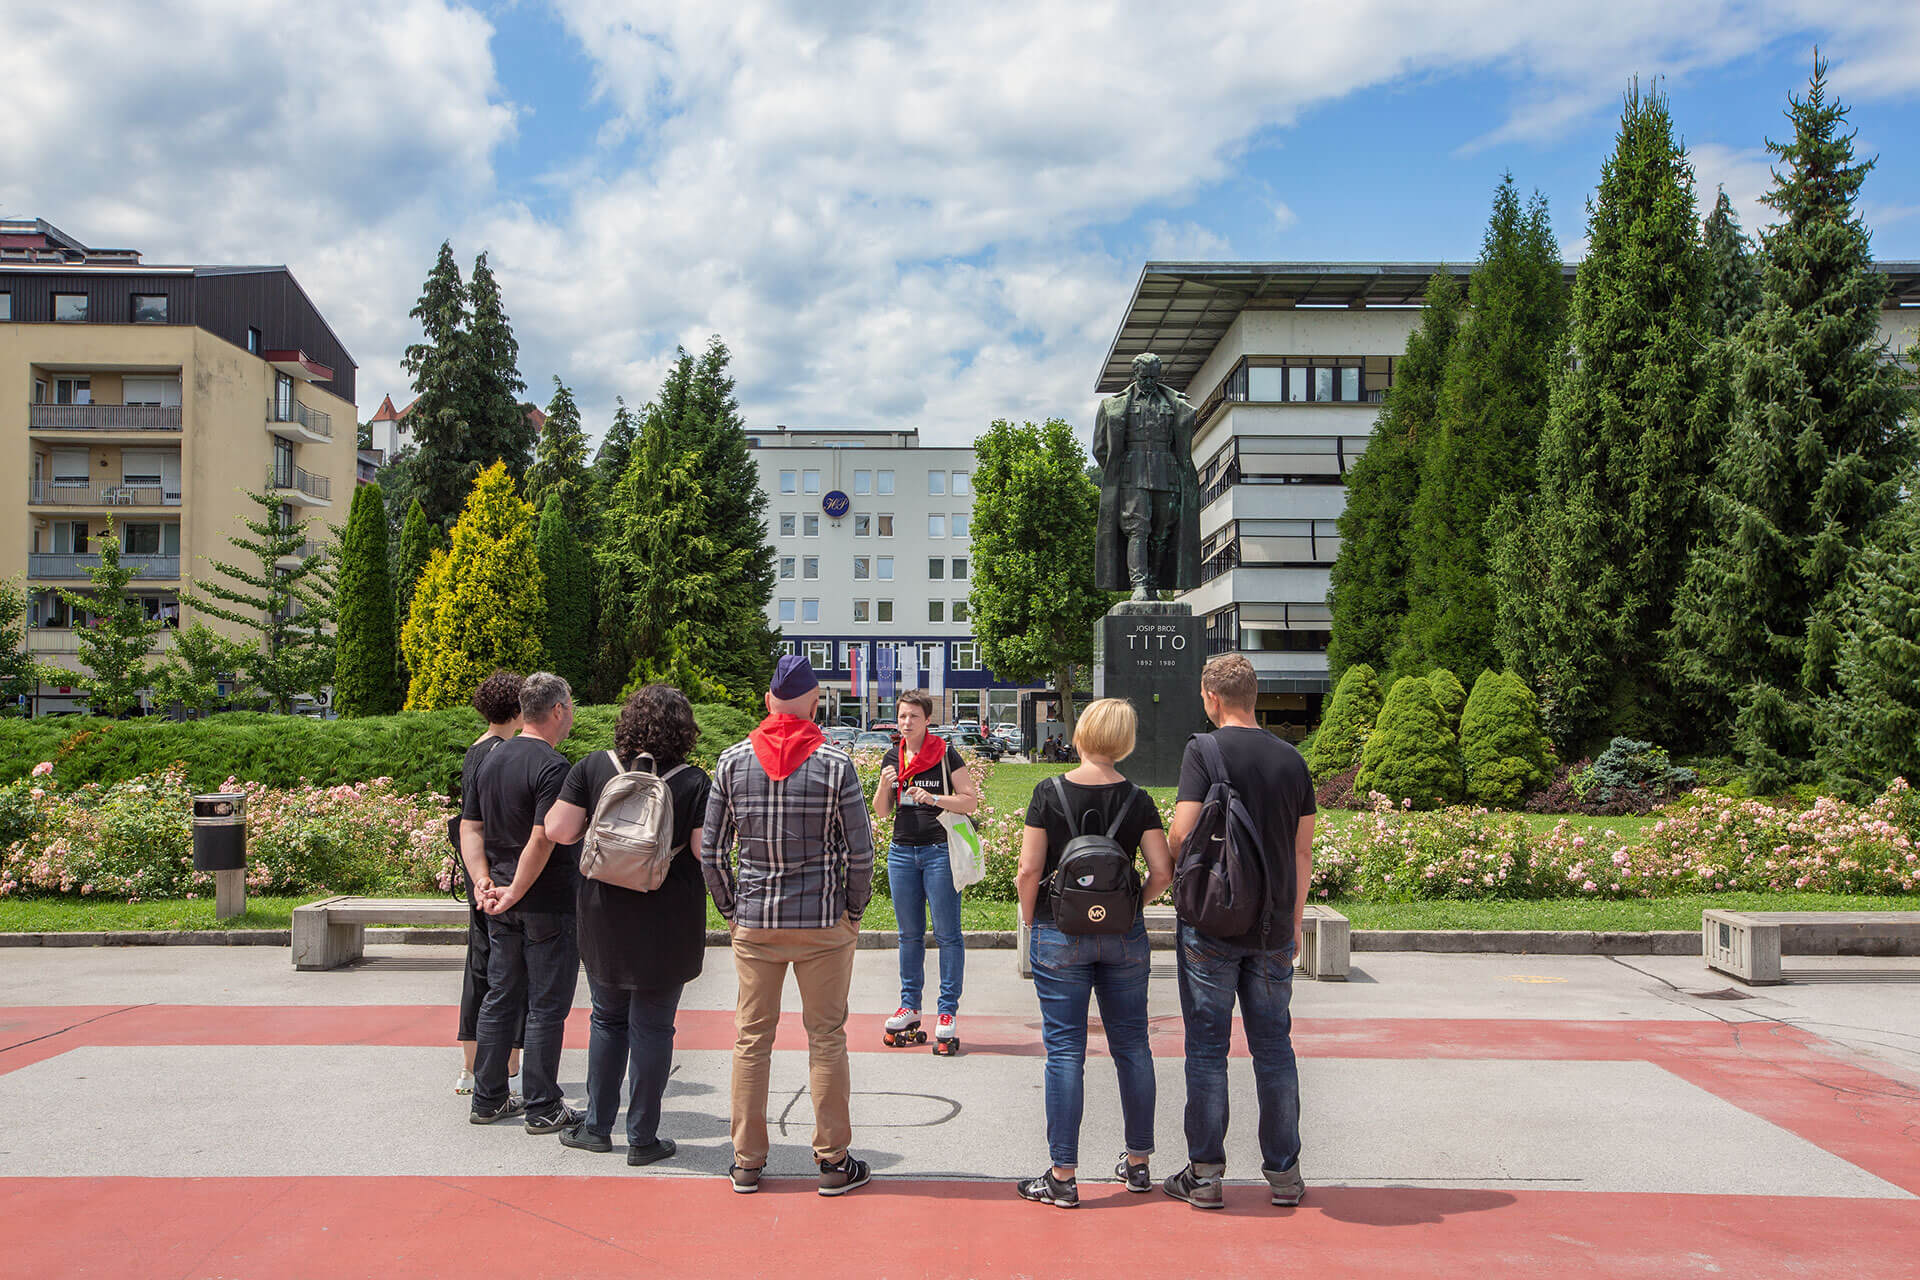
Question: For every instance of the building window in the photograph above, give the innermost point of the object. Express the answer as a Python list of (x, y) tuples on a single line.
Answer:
[(960, 524), (862, 483), (883, 568), (820, 655), (253, 341), (810, 567), (862, 568), (809, 611), (786, 524), (936, 525), (789, 482), (931, 651), (959, 568), (863, 526), (810, 526), (149, 308), (936, 484), (862, 611), (962, 484), (883, 525), (966, 705), (936, 611), (6, 306), (883, 483), (70, 307), (960, 611), (73, 391), (810, 481), (39, 390), (936, 568), (966, 655), (786, 610), (786, 567), (883, 610)]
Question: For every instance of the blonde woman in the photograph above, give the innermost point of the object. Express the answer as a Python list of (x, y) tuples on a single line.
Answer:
[(1070, 969)]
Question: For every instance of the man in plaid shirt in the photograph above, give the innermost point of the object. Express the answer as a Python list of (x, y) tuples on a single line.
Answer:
[(794, 808)]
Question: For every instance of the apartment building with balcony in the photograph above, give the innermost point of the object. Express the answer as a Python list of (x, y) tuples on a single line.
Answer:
[(1287, 363), (145, 402)]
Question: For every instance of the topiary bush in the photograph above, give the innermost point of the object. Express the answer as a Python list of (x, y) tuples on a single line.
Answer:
[(1503, 756), (1411, 756), (1348, 720), (1450, 694)]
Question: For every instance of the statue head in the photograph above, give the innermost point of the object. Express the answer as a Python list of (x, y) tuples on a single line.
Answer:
[(1146, 370)]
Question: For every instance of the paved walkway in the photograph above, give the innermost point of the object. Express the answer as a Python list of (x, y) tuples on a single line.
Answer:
[(206, 1111)]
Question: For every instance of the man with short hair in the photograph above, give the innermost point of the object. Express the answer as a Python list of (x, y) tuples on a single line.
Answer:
[(795, 809), (1272, 781), (525, 884)]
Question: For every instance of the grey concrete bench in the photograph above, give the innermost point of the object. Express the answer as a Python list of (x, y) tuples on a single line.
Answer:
[(1325, 952), (1749, 944), (332, 931)]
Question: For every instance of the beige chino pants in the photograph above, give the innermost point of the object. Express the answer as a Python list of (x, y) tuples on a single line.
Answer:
[(822, 961)]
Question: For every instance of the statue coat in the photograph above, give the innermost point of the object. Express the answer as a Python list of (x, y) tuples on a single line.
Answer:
[(1179, 567)]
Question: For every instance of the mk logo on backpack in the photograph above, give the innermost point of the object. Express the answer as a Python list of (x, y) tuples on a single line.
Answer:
[(630, 840)]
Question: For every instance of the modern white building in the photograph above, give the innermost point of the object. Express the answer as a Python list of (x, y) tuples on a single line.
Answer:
[(1287, 363), (872, 542)]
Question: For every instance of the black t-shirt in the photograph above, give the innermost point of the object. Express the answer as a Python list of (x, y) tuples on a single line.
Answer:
[(920, 823), (643, 941), (1274, 784), (1093, 807), (517, 783), (469, 768)]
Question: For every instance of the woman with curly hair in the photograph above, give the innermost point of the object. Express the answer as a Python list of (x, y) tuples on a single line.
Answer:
[(498, 699), (640, 949)]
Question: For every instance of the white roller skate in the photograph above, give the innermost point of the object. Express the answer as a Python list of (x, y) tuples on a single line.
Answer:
[(946, 1036), (903, 1029)]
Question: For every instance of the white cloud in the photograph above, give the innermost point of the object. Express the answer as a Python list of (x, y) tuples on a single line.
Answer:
[(1745, 172), (1283, 217)]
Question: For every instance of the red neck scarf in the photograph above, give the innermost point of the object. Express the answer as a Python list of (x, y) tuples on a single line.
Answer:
[(782, 744), (932, 751)]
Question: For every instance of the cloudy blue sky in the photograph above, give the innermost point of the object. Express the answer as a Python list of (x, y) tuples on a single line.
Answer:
[(895, 213)]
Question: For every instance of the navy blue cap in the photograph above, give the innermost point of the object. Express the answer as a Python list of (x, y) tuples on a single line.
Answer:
[(793, 677)]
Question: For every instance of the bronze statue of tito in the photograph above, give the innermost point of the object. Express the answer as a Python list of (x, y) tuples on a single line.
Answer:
[(1149, 534)]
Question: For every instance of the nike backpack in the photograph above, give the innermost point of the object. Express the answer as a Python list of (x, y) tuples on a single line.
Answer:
[(1095, 888), (630, 840), (1220, 883)]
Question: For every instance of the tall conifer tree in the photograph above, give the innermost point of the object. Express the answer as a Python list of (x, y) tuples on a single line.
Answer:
[(1733, 286), (282, 593), (560, 460), (1492, 403), (114, 645), (1369, 594), (1815, 454), (442, 412), (364, 682), (1867, 731), (1586, 577), (569, 593), (501, 428)]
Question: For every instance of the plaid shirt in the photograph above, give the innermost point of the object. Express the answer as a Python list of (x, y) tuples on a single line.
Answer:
[(806, 844)]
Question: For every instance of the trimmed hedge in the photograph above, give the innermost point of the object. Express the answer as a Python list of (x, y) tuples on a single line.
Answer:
[(1349, 718), (1411, 755), (1502, 751), (419, 750), (1450, 694)]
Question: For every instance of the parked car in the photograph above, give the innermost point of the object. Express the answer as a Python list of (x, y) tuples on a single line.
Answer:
[(843, 735), (1009, 732), (975, 743), (872, 740)]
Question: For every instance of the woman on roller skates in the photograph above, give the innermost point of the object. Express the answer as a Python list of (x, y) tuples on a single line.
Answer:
[(922, 777), (1070, 968)]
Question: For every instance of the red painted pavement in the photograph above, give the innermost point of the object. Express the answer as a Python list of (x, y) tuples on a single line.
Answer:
[(695, 1227)]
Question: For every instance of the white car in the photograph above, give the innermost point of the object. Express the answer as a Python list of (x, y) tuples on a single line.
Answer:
[(1011, 732)]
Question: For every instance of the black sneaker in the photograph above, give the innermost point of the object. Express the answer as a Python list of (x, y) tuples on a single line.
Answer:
[(577, 1137), (745, 1181), (561, 1117), (508, 1110), (1134, 1175), (1047, 1189), (841, 1176), (658, 1149), (1201, 1193)]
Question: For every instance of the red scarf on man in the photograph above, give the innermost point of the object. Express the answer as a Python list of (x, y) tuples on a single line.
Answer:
[(932, 751), (782, 743)]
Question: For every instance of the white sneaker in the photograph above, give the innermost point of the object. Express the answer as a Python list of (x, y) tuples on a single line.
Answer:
[(463, 1083)]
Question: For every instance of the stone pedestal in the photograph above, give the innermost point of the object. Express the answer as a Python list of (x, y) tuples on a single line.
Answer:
[(1150, 653)]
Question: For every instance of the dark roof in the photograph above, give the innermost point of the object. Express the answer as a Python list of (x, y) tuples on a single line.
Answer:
[(1181, 310)]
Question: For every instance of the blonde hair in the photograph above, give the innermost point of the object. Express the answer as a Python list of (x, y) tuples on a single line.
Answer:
[(1106, 729), (1232, 679)]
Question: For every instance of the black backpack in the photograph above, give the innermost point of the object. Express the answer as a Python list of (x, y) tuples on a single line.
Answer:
[(1220, 885), (1095, 889)]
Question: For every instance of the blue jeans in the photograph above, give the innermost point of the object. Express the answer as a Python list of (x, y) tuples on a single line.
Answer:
[(632, 1036), (1212, 974), (922, 877), (1066, 970), (533, 963)]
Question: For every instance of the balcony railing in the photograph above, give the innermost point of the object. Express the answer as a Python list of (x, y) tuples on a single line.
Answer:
[(302, 481), (104, 417), (320, 424), (60, 564), (59, 493)]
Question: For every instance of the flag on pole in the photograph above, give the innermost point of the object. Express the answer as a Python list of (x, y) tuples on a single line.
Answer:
[(853, 684), (937, 674), (884, 658)]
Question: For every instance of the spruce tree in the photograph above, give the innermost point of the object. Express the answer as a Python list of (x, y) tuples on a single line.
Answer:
[(1867, 730), (1449, 693), (569, 574), (1369, 591), (501, 430), (1814, 456), (364, 680), (1585, 578), (1733, 287), (115, 644), (481, 603), (1348, 721), (1493, 400), (1503, 756), (443, 410), (560, 461), (1411, 754), (615, 454), (282, 595)]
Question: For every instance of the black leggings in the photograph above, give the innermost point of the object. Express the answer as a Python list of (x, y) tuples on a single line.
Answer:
[(473, 987)]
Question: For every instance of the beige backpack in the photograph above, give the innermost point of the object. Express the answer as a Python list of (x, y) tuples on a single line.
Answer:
[(630, 840)]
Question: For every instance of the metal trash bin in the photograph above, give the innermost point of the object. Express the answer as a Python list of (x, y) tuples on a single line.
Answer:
[(220, 846)]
